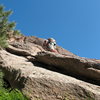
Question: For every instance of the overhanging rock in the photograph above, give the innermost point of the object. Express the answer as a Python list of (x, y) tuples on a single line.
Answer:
[(73, 65)]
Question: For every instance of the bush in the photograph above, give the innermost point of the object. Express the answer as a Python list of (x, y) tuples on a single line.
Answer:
[(17, 32), (3, 41), (5, 26), (13, 95), (6, 94)]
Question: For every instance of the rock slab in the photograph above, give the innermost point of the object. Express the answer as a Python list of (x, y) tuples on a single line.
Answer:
[(39, 73)]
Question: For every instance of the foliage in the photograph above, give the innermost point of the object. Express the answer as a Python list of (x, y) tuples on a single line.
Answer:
[(1, 81), (5, 94), (6, 26), (3, 42), (17, 32), (13, 95)]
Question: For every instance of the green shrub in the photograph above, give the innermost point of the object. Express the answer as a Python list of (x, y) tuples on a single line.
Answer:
[(6, 94), (13, 95), (1, 79), (6, 26), (17, 32), (3, 41)]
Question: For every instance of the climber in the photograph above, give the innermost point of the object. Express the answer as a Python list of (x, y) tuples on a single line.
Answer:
[(50, 45)]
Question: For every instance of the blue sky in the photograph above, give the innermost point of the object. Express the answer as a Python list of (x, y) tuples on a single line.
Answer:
[(75, 24)]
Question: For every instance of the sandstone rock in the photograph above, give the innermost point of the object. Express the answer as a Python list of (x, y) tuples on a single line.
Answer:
[(37, 82), (27, 49), (40, 74), (78, 66), (39, 41)]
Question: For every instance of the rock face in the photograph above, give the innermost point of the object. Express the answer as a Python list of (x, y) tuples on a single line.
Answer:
[(44, 75)]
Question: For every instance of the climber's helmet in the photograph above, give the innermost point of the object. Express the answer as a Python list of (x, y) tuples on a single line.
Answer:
[(52, 41)]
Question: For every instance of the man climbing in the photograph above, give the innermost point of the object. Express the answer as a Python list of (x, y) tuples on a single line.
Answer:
[(50, 45)]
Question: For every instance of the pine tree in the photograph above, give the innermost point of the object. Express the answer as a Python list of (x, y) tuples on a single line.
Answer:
[(5, 25)]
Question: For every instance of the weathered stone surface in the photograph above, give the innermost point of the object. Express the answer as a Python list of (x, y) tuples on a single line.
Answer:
[(65, 60), (44, 75), (79, 66), (24, 49), (31, 43), (38, 82)]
